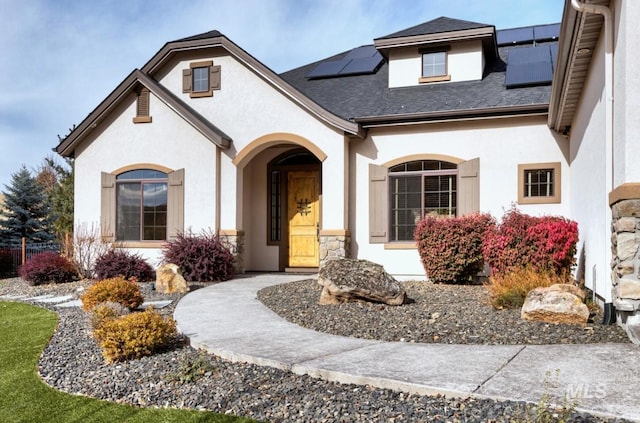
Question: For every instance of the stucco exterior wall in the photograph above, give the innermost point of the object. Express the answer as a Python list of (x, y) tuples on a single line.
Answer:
[(168, 141), (246, 108), (500, 145), (465, 63)]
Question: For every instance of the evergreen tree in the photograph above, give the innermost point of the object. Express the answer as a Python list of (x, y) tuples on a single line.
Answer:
[(61, 197), (26, 210)]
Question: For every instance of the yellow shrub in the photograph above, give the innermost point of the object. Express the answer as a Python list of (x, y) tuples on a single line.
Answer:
[(118, 290), (135, 335), (105, 311), (509, 290)]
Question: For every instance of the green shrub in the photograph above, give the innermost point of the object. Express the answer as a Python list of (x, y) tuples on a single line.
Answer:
[(450, 248), (123, 263), (48, 267), (118, 290), (201, 258), (135, 335), (106, 311)]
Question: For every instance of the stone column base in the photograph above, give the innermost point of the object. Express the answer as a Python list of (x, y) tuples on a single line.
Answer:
[(234, 240), (334, 243), (625, 263)]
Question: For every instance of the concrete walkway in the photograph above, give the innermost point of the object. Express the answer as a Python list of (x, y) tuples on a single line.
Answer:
[(227, 320)]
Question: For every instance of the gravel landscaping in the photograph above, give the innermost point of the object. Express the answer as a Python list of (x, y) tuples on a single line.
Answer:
[(183, 377)]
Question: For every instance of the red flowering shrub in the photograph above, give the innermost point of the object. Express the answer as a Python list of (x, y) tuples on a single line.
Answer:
[(48, 267), (451, 248), (544, 243), (201, 258), (123, 263)]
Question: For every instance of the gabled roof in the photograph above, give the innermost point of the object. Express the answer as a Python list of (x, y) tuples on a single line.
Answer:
[(214, 39), (68, 144)]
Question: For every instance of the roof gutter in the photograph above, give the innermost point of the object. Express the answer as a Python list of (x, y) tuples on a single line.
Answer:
[(608, 84)]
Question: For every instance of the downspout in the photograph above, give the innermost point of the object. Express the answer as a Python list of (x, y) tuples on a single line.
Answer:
[(608, 87)]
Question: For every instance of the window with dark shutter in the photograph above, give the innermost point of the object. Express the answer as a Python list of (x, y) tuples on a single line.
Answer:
[(201, 79)]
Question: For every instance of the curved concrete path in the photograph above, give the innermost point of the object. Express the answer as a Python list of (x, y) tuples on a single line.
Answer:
[(226, 319)]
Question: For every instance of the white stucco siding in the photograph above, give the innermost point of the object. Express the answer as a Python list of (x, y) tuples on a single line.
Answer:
[(464, 63), (247, 108), (500, 145), (168, 141)]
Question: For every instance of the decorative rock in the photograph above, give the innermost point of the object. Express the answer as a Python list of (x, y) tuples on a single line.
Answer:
[(625, 224), (554, 304), (627, 246), (350, 280), (572, 289), (169, 280)]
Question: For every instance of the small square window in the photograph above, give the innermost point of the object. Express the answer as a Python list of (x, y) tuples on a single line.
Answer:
[(539, 183), (434, 64), (200, 79)]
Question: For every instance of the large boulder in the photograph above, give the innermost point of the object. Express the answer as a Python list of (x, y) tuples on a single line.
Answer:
[(169, 280), (350, 280), (559, 303)]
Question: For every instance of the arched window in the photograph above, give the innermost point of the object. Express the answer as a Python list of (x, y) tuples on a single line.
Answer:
[(141, 205), (417, 189)]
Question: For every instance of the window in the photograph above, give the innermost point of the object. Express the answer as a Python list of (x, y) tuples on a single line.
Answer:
[(417, 189), (142, 106), (539, 183), (275, 206), (434, 66), (141, 205), (201, 79)]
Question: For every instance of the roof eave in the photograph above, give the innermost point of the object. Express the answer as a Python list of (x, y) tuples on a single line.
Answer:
[(453, 115), (413, 40)]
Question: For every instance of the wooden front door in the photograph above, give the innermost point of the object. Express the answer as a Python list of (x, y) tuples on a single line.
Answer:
[(304, 218)]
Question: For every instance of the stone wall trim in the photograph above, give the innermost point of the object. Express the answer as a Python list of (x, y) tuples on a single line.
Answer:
[(627, 191)]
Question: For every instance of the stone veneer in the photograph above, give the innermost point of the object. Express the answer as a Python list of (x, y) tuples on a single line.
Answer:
[(234, 240), (334, 244), (625, 265)]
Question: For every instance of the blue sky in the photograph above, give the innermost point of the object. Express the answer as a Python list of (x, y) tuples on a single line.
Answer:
[(59, 59)]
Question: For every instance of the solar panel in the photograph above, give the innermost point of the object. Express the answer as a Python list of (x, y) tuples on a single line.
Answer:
[(515, 36), (524, 55), (546, 32), (362, 66), (554, 54), (326, 69), (362, 52), (526, 74), (359, 61)]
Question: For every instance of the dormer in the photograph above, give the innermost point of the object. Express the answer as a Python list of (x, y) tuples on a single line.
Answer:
[(439, 51)]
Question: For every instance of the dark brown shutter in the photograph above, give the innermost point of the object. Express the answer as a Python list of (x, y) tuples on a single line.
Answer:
[(108, 206), (214, 78), (378, 204), (469, 187), (175, 206), (186, 80)]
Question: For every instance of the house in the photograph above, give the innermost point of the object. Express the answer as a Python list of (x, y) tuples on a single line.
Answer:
[(343, 156)]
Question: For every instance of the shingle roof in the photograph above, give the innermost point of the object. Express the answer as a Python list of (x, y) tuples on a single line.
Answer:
[(203, 36), (435, 26), (367, 96)]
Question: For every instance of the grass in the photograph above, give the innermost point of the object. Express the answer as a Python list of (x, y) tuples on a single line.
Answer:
[(24, 332)]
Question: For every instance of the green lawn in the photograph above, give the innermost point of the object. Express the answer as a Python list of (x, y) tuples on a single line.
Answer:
[(24, 332)]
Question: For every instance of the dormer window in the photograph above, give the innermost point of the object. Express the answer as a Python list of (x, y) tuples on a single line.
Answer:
[(434, 65)]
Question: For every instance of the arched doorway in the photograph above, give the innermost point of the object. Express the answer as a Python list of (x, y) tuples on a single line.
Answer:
[(294, 211)]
